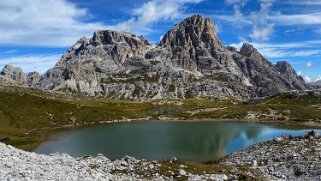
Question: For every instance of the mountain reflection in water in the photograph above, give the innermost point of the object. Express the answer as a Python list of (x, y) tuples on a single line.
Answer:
[(193, 141)]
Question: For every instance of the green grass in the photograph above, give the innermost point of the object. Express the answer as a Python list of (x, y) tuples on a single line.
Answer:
[(26, 113), (30, 116)]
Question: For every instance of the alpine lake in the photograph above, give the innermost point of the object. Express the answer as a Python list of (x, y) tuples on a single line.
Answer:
[(198, 141)]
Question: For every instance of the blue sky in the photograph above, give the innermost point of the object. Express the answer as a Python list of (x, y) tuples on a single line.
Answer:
[(35, 33)]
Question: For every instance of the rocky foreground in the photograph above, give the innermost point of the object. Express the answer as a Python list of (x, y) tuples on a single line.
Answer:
[(284, 158)]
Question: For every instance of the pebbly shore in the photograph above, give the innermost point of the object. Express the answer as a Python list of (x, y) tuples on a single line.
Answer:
[(283, 158)]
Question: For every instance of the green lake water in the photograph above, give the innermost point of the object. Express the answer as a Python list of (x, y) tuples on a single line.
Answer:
[(192, 141)]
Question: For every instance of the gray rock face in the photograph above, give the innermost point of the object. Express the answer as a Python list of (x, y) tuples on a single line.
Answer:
[(110, 46), (285, 69), (190, 61), (268, 79), (14, 73), (316, 84), (284, 158), (11, 75), (192, 43), (32, 79)]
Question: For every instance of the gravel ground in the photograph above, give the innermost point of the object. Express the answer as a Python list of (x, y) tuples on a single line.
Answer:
[(283, 158), (17, 164)]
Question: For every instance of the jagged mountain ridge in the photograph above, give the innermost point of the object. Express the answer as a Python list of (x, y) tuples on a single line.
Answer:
[(316, 83), (190, 61), (11, 75)]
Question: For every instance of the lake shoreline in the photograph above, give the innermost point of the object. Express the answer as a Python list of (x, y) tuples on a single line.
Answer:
[(257, 162), (54, 131), (188, 130)]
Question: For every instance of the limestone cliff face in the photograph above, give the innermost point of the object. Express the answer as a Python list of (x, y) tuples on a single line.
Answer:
[(110, 46), (14, 73), (192, 43), (290, 76), (190, 61), (32, 79), (11, 75)]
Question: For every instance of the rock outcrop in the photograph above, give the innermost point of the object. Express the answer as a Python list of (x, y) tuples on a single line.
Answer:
[(11, 75), (14, 73), (32, 79), (316, 83), (283, 158), (16, 164), (285, 69), (190, 61)]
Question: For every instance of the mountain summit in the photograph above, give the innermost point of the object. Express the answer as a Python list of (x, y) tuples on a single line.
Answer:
[(190, 61), (193, 31)]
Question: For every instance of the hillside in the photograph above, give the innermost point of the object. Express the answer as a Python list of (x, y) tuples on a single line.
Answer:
[(29, 116)]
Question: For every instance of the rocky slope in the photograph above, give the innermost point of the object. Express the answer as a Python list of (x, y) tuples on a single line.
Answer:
[(316, 84), (14, 76), (284, 158), (190, 61), (21, 165)]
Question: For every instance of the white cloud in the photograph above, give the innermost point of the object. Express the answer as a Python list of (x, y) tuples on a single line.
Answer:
[(286, 50), (299, 73), (29, 63), (296, 19), (309, 64), (262, 33), (305, 2), (152, 12), (52, 23), (262, 28), (236, 2), (59, 23), (8, 52), (265, 20), (238, 19), (308, 79)]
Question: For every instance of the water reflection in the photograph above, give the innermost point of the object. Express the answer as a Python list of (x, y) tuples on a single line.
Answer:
[(194, 141)]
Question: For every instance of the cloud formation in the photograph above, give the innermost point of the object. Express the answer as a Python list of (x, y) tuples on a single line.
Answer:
[(305, 2), (285, 50), (262, 27), (309, 64), (51, 23), (152, 12), (59, 23), (30, 63)]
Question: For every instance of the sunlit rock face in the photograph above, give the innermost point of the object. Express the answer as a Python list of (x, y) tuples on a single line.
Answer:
[(11, 75), (190, 61)]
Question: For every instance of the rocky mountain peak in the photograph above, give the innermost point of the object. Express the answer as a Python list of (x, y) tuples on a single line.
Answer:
[(14, 73), (107, 45), (190, 61), (192, 31), (284, 67), (33, 78), (289, 74), (111, 37), (16, 76), (248, 50), (316, 83)]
